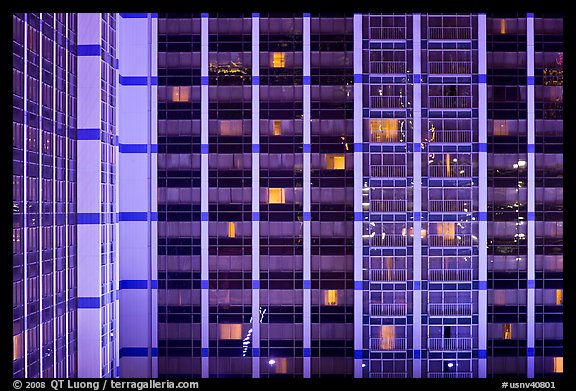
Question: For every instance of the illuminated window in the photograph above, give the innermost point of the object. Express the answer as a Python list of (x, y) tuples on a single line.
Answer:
[(423, 233), (276, 195), (230, 127), (231, 229), (387, 337), (384, 130), (500, 128), (331, 297), (280, 365), (230, 331), (558, 296), (502, 26), (180, 94), (277, 127), (17, 348), (446, 230), (507, 331), (558, 364), (335, 162), (278, 60), (447, 164)]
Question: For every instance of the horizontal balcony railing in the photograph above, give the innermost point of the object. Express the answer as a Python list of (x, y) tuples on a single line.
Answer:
[(384, 136), (449, 205), (388, 102), (450, 136), (388, 171), (450, 375), (387, 33), (387, 344), (384, 67), (387, 275), (449, 344), (388, 241), (451, 309), (449, 33), (450, 172), (384, 310), (450, 102), (444, 241), (386, 375), (449, 68), (388, 206), (450, 274)]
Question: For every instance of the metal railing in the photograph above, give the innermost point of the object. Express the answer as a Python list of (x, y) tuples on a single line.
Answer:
[(449, 33), (449, 344), (388, 206), (450, 274), (386, 375), (454, 309), (385, 67), (448, 241), (450, 102), (388, 309), (387, 102), (387, 275), (387, 32), (388, 171), (386, 136), (387, 344), (388, 241), (449, 205), (450, 172), (450, 375), (450, 136), (448, 68)]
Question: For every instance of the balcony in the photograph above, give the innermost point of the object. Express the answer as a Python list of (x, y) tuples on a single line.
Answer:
[(449, 206), (388, 102), (450, 274), (449, 68), (452, 309), (386, 136), (387, 67), (387, 310), (449, 33), (377, 275), (386, 375), (449, 375), (449, 344), (459, 171), (388, 241), (388, 171), (450, 136), (388, 206), (449, 241), (387, 344), (388, 33), (450, 102)]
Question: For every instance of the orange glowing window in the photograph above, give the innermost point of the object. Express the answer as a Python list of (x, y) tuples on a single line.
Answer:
[(502, 26), (280, 365), (507, 331), (331, 297), (387, 337), (277, 127), (230, 127), (500, 128), (446, 230), (335, 162), (558, 364), (16, 347), (384, 130), (558, 296), (276, 195), (180, 94), (230, 331), (231, 229), (278, 59)]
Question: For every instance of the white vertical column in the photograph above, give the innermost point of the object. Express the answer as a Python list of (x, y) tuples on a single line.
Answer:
[(417, 186), (358, 251), (482, 198), (25, 203), (40, 202), (66, 199), (531, 200), (54, 209), (306, 265), (204, 306), (255, 195), (116, 190), (89, 201)]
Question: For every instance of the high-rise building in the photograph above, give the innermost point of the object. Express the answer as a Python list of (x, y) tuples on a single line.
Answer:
[(292, 195)]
